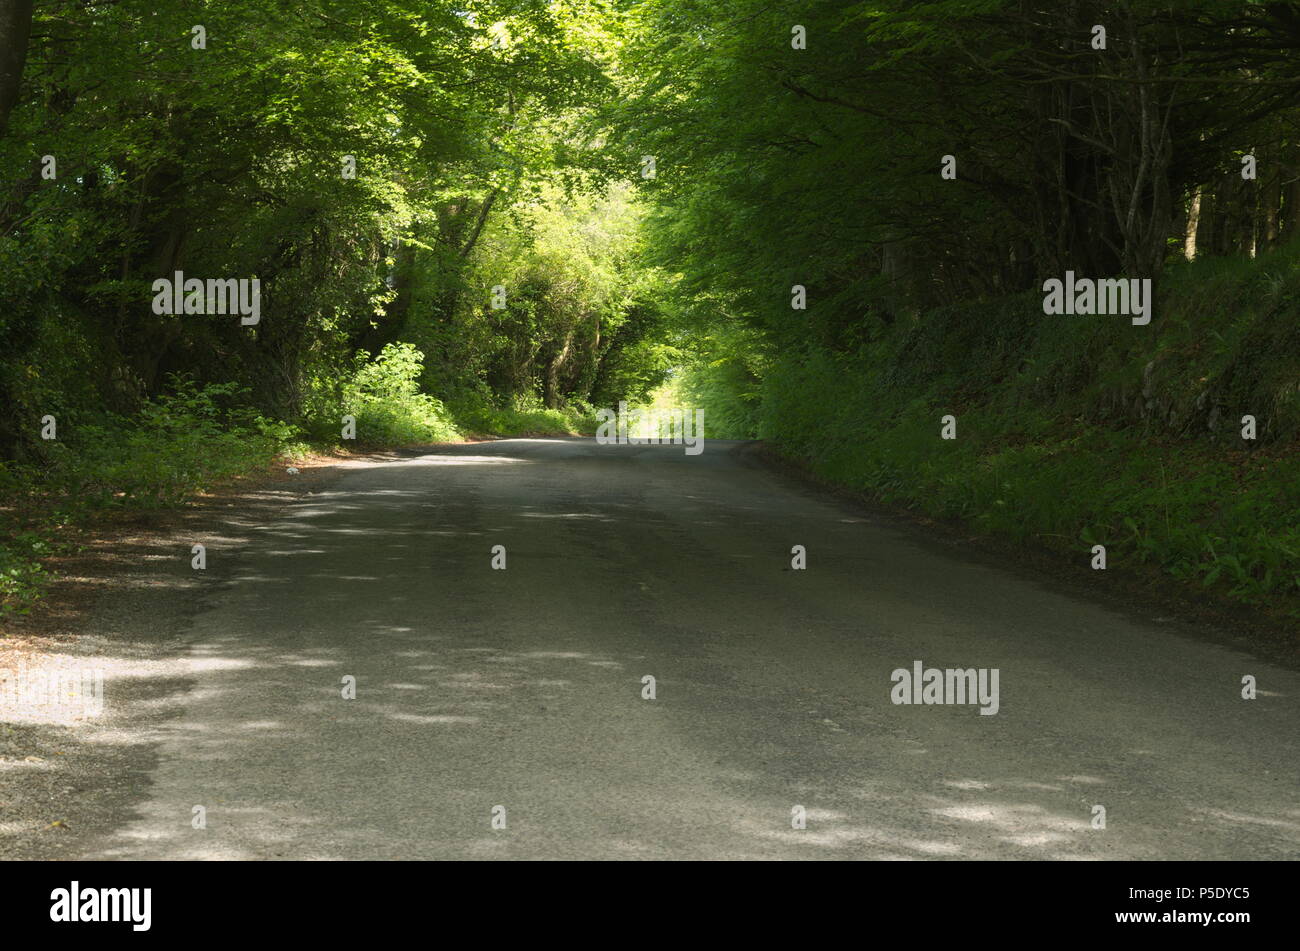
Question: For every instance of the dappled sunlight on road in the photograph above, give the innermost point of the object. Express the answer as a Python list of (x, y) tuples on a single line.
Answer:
[(646, 679)]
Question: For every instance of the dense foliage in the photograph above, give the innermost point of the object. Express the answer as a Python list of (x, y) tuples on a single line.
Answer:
[(352, 157), (827, 222)]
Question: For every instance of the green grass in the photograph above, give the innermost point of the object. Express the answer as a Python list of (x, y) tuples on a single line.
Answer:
[(194, 438), (1221, 518), (178, 445), (524, 417), (1080, 431)]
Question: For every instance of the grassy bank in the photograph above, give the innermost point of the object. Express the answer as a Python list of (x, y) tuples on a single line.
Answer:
[(175, 447), (524, 418), (1080, 431), (195, 438)]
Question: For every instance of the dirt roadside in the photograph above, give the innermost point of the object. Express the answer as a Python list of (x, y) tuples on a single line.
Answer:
[(119, 608)]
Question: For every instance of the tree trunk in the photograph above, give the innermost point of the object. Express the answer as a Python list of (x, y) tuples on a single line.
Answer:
[(15, 31), (1193, 222)]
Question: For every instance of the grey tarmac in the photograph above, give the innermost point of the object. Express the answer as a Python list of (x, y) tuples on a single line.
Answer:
[(522, 688)]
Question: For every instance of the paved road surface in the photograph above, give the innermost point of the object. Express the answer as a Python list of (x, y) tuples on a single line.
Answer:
[(522, 688)]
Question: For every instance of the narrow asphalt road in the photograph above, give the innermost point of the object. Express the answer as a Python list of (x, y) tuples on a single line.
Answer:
[(523, 688)]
